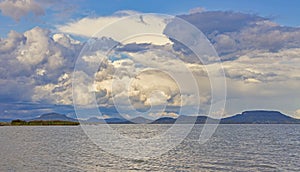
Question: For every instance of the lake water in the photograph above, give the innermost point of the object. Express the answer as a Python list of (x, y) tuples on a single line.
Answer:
[(231, 148)]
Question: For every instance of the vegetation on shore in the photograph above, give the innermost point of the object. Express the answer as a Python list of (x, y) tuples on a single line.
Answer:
[(4, 123), (32, 123)]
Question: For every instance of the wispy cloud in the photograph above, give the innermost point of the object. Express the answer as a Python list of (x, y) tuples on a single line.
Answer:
[(92, 26)]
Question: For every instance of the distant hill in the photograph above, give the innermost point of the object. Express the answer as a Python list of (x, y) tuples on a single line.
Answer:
[(137, 120), (141, 120), (196, 119), (260, 117), (117, 121), (95, 120), (247, 117), (185, 120), (164, 120), (53, 117)]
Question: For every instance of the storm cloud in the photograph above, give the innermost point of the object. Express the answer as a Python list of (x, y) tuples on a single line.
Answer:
[(234, 34)]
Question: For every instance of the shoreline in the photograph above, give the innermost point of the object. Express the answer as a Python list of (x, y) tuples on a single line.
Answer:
[(39, 123)]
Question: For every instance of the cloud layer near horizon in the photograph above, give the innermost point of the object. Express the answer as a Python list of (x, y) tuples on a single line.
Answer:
[(261, 63)]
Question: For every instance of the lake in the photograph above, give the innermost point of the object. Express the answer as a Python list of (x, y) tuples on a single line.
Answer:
[(231, 148)]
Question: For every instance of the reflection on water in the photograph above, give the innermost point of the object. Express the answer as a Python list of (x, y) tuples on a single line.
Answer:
[(232, 147)]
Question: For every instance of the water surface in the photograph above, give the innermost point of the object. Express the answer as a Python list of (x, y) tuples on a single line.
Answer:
[(232, 148)]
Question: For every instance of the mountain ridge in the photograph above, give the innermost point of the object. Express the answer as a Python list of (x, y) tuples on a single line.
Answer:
[(260, 117), (53, 116), (246, 117)]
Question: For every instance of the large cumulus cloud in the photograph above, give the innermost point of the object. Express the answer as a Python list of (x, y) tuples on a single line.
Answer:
[(35, 61), (137, 80)]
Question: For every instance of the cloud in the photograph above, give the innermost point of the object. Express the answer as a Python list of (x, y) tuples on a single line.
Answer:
[(34, 66), (221, 20), (155, 87), (225, 43), (235, 34), (149, 87), (297, 114), (35, 49), (163, 114), (16, 9), (197, 10), (13, 38), (265, 67), (136, 23), (62, 9), (263, 80), (134, 47), (135, 85), (45, 64), (60, 93), (27, 110), (260, 58)]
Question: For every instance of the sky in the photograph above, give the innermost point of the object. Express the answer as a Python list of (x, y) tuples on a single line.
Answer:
[(257, 42), (54, 12)]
